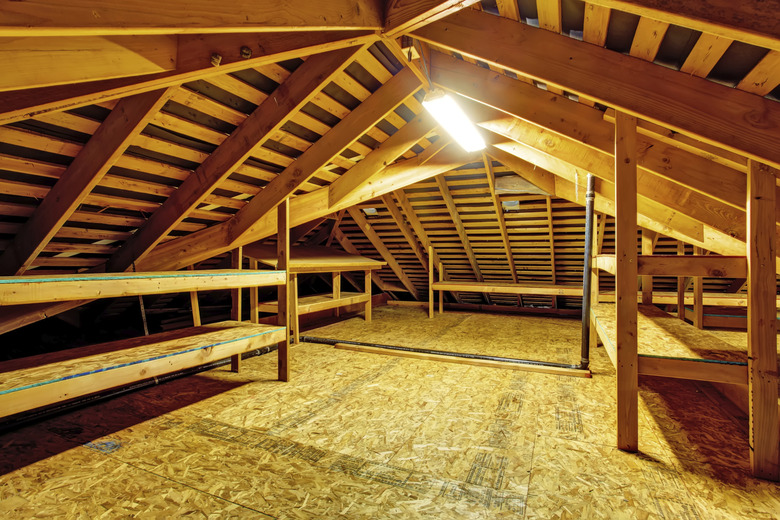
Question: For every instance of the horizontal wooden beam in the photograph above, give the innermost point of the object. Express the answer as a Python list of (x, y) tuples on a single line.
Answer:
[(424, 356), (204, 244), (42, 61), (745, 20), (699, 265), (318, 302), (402, 16), (605, 263), (629, 84), (508, 288), (670, 298), (195, 57), (92, 17), (694, 369), (18, 290)]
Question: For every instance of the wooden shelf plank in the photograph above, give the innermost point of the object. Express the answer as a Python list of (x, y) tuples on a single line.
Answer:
[(36, 381), (319, 302), (312, 259), (17, 290), (508, 288), (669, 347)]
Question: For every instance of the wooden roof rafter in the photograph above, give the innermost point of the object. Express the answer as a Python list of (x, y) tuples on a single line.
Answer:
[(376, 241), (76, 182), (623, 82), (308, 79)]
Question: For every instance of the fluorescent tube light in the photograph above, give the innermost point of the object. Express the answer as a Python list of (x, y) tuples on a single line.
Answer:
[(453, 120)]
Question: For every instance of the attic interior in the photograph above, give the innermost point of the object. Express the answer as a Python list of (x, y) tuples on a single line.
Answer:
[(244, 272)]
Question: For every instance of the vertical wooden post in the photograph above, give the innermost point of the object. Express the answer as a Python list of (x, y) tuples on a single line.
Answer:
[(336, 283), (698, 296), (367, 285), (625, 282), (647, 280), (295, 319), (441, 293), (194, 304), (253, 317), (236, 262), (430, 281), (681, 285), (283, 264), (762, 325)]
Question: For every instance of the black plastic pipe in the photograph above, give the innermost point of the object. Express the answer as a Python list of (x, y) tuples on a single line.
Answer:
[(328, 341), (586, 268)]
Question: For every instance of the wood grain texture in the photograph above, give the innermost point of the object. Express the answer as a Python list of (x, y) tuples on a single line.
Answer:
[(744, 123), (762, 324), (625, 282), (51, 18), (50, 378)]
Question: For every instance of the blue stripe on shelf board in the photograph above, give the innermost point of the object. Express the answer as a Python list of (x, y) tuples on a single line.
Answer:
[(122, 365), (128, 276)]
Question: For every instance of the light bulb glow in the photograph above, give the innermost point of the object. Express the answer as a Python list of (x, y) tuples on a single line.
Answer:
[(453, 120)]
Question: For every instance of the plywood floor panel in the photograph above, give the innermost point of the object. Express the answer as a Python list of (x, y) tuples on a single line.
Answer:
[(357, 435)]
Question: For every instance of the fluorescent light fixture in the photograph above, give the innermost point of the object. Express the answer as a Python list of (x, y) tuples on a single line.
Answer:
[(454, 120)]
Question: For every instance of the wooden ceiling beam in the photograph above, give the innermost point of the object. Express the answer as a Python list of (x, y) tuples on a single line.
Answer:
[(98, 17), (706, 53), (406, 231), (194, 62), (402, 16), (575, 122), (651, 215), (350, 248), (382, 249), (104, 148), (43, 61), (452, 208), (395, 146), (595, 24), (508, 9), (289, 97), (745, 20), (764, 77), (499, 209), (355, 124), (744, 123), (214, 240), (564, 161), (408, 211), (647, 39)]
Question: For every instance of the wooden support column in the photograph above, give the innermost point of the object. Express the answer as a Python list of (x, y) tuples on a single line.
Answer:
[(336, 284), (625, 282), (681, 285), (698, 296), (295, 319), (762, 325), (194, 304), (648, 239), (253, 317), (368, 292), (283, 264), (441, 293), (430, 281), (236, 262)]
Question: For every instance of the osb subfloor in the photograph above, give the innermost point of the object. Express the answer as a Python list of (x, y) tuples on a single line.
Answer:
[(370, 436)]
